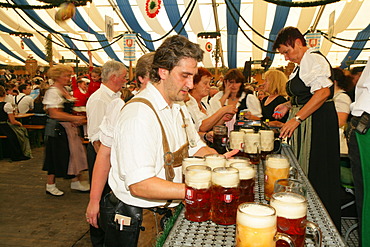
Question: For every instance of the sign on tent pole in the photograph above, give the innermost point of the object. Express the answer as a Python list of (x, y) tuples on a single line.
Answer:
[(129, 46), (313, 40)]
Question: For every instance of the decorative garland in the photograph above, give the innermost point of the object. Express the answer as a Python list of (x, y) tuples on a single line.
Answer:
[(49, 48), (301, 4), (50, 4), (152, 7)]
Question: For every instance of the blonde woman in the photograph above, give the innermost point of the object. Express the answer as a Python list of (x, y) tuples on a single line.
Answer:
[(275, 82)]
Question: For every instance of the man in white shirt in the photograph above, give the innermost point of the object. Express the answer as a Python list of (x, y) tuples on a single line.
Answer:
[(359, 149), (23, 100), (113, 77), (137, 176)]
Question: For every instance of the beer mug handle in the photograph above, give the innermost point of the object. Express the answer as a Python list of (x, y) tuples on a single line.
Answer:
[(293, 172), (278, 141), (284, 237), (316, 229)]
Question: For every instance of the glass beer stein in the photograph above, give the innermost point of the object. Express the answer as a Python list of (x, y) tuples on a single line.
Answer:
[(189, 161), (252, 147), (215, 160), (291, 211), (225, 194), (247, 174), (269, 144), (290, 185), (198, 193), (276, 167), (239, 159), (236, 141), (256, 226), (220, 138)]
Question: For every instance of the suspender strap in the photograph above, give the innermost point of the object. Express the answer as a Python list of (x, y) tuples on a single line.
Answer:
[(17, 102), (171, 159)]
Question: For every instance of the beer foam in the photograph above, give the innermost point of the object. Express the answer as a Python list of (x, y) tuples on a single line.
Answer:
[(289, 205), (275, 162), (245, 172), (237, 160), (256, 216), (228, 177), (192, 161), (215, 161)]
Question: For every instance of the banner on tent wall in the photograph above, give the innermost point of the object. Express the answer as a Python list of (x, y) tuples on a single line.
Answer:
[(313, 40), (129, 47)]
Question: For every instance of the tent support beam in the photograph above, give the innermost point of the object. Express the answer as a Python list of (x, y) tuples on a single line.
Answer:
[(318, 17), (218, 41)]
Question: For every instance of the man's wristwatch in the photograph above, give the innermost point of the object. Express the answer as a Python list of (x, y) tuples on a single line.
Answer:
[(298, 119)]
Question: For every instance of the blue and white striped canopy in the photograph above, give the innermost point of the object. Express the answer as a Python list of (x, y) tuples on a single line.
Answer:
[(236, 19)]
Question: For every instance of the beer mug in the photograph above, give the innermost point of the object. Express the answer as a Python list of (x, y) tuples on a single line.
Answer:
[(256, 226), (189, 161), (291, 211), (290, 185), (215, 160), (269, 144), (198, 193), (224, 195), (252, 147), (276, 167), (236, 140), (220, 138), (237, 159), (247, 174), (246, 130)]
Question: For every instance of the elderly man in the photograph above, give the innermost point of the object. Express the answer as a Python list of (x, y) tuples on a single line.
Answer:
[(138, 177), (113, 77)]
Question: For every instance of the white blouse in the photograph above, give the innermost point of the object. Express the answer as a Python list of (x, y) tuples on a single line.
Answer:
[(314, 71), (342, 102), (196, 114)]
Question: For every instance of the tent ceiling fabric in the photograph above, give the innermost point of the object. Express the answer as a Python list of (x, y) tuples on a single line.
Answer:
[(351, 18)]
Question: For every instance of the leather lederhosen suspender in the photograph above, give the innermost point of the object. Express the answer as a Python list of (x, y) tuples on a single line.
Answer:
[(171, 159)]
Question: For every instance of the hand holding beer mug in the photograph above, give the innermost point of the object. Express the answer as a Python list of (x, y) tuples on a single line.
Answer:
[(220, 138), (291, 211), (256, 226), (290, 185), (247, 174), (276, 167), (215, 160), (225, 194), (198, 193), (252, 147)]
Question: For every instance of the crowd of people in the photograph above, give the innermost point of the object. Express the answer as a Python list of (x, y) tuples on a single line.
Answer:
[(173, 107)]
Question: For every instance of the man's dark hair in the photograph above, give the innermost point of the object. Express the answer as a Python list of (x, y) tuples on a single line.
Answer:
[(287, 36), (356, 70), (172, 50), (22, 87)]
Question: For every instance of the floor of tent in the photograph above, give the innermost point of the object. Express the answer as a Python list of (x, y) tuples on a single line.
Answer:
[(30, 217)]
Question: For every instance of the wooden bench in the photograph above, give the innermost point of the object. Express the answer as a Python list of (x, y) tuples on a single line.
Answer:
[(36, 133)]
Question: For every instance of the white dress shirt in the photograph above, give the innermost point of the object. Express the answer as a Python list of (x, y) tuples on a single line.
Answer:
[(109, 121), (137, 150), (24, 104), (362, 93), (95, 109)]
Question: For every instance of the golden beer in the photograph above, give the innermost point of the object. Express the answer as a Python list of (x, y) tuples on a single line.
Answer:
[(276, 167)]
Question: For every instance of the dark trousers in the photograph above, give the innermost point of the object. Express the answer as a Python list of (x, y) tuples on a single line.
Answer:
[(97, 235), (354, 156)]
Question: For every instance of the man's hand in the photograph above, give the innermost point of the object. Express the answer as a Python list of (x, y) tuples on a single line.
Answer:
[(92, 213)]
